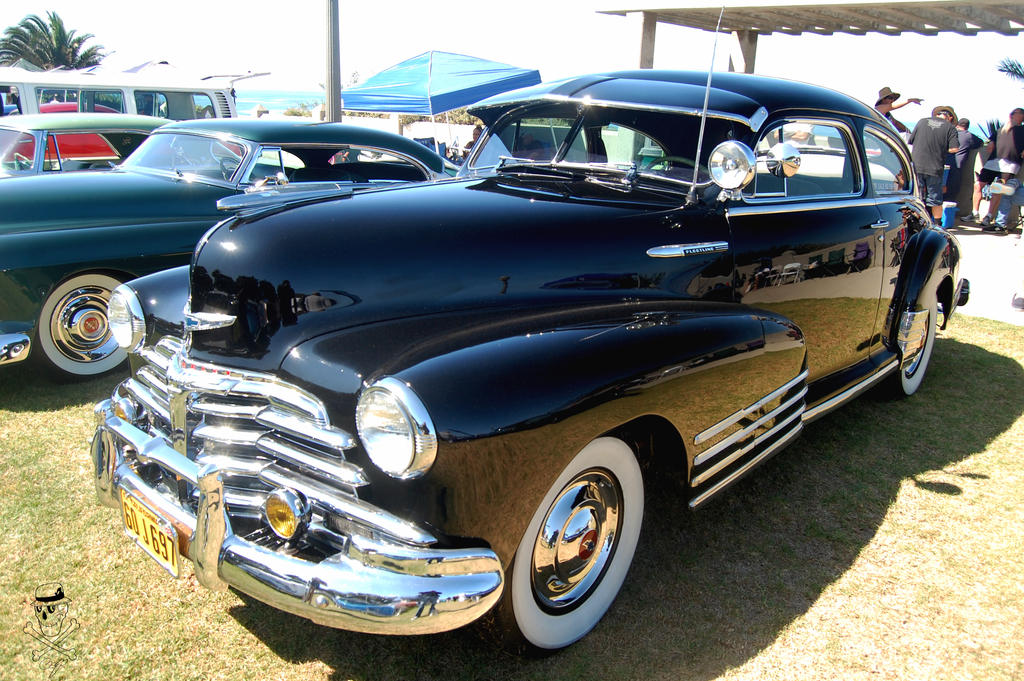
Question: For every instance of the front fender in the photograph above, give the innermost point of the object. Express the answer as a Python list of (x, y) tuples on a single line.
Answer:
[(162, 296), (513, 402)]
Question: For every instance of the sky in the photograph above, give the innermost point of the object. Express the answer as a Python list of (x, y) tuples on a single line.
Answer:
[(561, 38)]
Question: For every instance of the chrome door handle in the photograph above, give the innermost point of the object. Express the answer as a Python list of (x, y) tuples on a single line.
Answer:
[(881, 224)]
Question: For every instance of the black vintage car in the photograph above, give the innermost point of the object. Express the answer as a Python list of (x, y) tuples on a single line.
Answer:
[(399, 411)]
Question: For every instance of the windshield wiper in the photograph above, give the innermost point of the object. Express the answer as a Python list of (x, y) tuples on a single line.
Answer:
[(513, 164), (626, 183)]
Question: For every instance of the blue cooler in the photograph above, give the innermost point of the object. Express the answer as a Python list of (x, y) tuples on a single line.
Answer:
[(948, 214)]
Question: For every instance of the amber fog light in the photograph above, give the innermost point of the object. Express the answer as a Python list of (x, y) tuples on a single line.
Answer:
[(286, 512)]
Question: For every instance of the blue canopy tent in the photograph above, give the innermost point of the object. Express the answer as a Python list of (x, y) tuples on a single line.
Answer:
[(435, 82)]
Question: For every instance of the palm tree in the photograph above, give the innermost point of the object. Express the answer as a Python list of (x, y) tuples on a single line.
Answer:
[(48, 44), (1012, 68)]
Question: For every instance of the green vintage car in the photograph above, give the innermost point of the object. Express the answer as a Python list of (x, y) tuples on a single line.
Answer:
[(67, 240), (48, 143)]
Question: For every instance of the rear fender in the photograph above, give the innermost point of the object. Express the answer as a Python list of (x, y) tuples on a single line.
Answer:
[(930, 263)]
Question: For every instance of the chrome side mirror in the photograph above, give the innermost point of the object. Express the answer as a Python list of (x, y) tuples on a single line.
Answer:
[(732, 165), (783, 160)]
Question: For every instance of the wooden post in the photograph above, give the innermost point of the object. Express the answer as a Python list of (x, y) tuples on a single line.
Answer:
[(744, 52), (647, 36)]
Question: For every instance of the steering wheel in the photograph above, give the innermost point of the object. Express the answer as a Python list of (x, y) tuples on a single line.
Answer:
[(228, 166), (22, 162)]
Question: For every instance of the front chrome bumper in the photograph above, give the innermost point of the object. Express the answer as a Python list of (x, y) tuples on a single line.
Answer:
[(370, 585), (14, 347)]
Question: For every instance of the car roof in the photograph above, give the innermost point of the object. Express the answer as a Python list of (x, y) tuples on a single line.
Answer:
[(81, 121), (276, 131), (740, 96)]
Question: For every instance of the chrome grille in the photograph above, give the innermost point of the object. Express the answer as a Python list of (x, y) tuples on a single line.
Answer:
[(260, 432)]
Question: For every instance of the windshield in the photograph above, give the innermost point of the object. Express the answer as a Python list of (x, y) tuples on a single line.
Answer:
[(660, 143), (17, 152), (186, 154)]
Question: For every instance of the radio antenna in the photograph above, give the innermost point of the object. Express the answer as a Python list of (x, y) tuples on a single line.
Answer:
[(691, 196)]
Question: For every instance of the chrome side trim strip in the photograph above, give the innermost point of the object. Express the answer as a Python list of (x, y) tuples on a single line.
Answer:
[(739, 472), (752, 207), (745, 432), (848, 394), (682, 250), (730, 420), (696, 482)]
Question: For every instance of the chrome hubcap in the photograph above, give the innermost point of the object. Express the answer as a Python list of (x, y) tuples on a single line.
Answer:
[(576, 540), (79, 326)]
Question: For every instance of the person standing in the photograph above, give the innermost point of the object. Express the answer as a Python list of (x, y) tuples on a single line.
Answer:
[(967, 141), (930, 141), (887, 102), (1003, 164)]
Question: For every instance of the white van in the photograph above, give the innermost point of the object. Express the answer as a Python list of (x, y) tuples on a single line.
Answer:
[(150, 93)]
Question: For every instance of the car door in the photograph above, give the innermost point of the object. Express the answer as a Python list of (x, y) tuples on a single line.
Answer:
[(900, 214), (806, 245)]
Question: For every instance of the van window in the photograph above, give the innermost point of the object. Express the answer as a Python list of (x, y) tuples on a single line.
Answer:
[(148, 103), (64, 100), (203, 105)]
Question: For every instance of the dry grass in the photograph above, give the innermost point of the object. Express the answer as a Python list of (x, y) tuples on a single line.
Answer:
[(885, 544)]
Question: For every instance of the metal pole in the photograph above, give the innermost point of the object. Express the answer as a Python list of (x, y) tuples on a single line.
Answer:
[(332, 105)]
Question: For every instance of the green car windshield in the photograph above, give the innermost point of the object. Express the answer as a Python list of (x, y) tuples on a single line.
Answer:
[(188, 155)]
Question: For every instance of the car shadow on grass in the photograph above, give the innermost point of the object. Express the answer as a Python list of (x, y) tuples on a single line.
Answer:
[(27, 387), (710, 590)]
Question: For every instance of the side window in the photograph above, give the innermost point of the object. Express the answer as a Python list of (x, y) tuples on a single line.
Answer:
[(357, 164), (203, 105), (91, 150), (101, 101), (886, 167), (51, 156), (272, 161), (151, 104), (827, 165)]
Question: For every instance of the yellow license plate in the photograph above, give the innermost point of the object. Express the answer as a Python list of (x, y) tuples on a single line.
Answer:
[(155, 535)]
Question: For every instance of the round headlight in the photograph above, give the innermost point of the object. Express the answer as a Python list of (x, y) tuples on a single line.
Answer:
[(732, 165), (124, 315), (395, 429)]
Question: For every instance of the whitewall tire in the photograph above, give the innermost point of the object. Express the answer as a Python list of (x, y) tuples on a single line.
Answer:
[(73, 332), (577, 549)]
